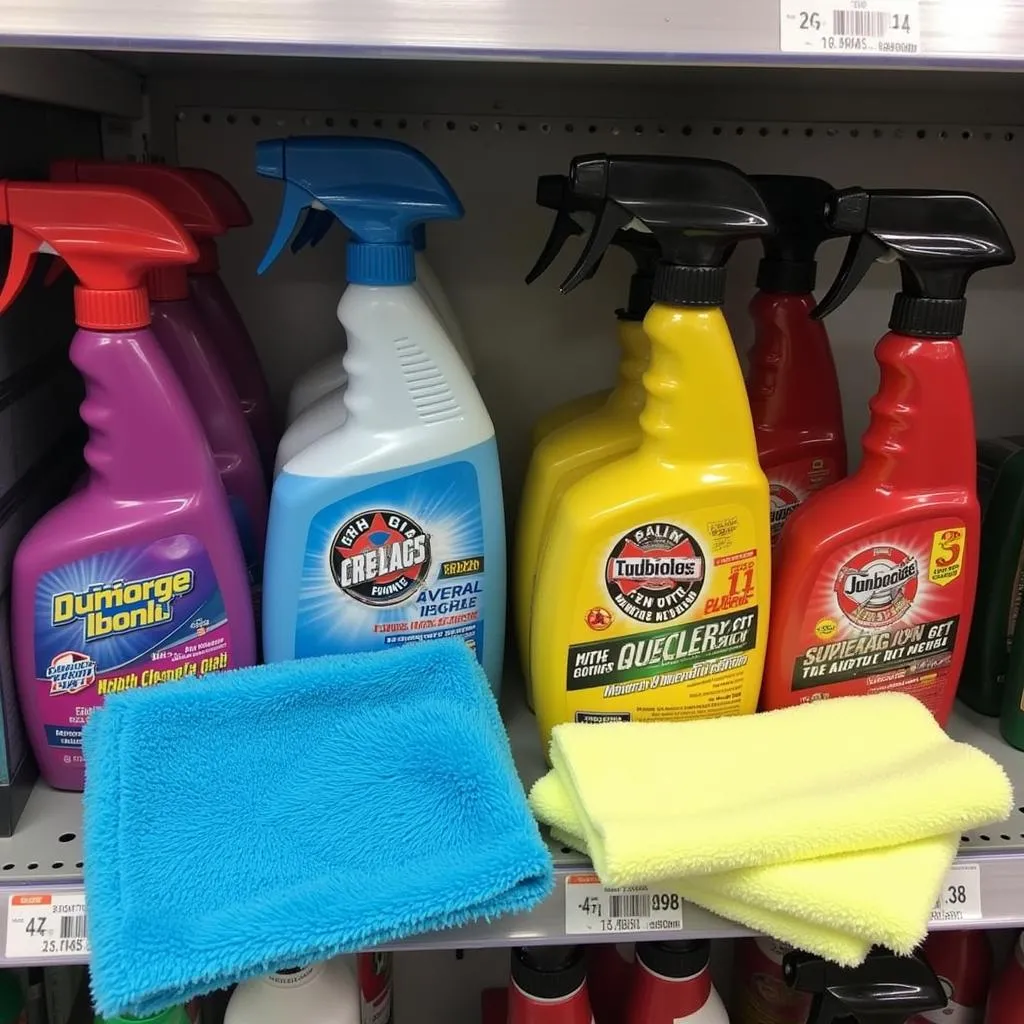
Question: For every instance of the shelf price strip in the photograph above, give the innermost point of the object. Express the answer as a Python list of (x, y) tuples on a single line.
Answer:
[(595, 909), (46, 925), (876, 27)]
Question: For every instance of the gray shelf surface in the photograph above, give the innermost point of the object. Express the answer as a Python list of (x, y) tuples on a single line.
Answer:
[(657, 31), (46, 853)]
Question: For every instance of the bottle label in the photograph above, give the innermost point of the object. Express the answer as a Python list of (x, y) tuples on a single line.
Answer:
[(127, 618), (884, 615), (792, 482), (665, 621), (399, 562)]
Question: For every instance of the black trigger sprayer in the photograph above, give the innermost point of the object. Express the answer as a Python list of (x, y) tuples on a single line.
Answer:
[(884, 989)]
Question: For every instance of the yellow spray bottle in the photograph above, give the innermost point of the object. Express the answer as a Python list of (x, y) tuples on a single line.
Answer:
[(653, 582), (570, 451)]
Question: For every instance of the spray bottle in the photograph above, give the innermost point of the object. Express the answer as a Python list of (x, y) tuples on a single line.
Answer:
[(391, 522), (792, 384), (674, 535), (221, 315), (112, 588), (885, 988), (962, 961), (569, 452), (672, 985), (549, 986), (1006, 1000), (189, 343), (322, 993), (875, 580), (329, 374), (328, 411)]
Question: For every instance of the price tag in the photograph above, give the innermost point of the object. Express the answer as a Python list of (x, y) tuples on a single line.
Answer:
[(960, 898), (594, 909), (887, 27), (44, 925)]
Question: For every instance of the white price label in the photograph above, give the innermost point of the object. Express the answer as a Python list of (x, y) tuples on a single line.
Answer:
[(594, 909), (888, 27), (960, 897), (41, 925)]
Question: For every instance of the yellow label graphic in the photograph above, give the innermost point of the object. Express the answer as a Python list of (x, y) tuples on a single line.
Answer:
[(947, 558), (666, 620)]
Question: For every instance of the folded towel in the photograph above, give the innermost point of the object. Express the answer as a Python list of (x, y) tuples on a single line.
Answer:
[(266, 817), (836, 906), (657, 801)]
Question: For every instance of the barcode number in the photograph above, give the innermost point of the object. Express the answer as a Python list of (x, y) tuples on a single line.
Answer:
[(72, 927), (629, 905)]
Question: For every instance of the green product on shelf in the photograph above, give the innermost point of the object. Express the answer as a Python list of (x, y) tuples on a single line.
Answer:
[(12, 999), (1000, 576), (174, 1015), (1011, 721)]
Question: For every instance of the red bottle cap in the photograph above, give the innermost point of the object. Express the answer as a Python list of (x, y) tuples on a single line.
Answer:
[(109, 237), (229, 205)]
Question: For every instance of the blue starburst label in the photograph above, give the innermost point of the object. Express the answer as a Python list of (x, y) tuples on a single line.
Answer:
[(401, 561)]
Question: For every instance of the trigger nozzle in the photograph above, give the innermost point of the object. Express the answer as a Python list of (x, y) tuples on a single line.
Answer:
[(611, 218), (294, 202), (862, 251), (24, 251), (562, 230)]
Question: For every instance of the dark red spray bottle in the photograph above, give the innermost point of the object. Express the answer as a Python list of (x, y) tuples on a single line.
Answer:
[(549, 986), (792, 383), (874, 578)]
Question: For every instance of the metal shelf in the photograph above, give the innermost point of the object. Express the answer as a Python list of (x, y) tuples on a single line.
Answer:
[(46, 855), (652, 31)]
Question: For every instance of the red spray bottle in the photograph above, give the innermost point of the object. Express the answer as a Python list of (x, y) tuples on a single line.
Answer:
[(221, 313), (549, 986), (112, 589), (672, 985), (792, 383), (1006, 1000), (962, 961), (875, 577)]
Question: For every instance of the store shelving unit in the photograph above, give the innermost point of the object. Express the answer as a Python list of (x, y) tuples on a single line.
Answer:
[(152, 72), (45, 854)]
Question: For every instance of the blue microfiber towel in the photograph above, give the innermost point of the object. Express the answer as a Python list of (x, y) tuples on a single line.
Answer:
[(257, 819)]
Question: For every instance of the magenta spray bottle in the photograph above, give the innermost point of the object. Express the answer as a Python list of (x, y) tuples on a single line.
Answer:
[(138, 578)]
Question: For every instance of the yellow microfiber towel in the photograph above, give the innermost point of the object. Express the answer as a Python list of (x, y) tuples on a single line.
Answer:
[(837, 906), (830, 825), (658, 801)]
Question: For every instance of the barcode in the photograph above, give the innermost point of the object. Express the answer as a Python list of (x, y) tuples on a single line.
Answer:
[(634, 904), (860, 23), (72, 927)]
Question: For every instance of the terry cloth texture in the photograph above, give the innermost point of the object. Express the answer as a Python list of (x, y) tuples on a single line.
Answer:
[(252, 820), (829, 825)]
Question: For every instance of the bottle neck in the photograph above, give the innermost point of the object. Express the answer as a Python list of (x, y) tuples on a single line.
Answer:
[(921, 434), (696, 405), (792, 383), (628, 395), (143, 435)]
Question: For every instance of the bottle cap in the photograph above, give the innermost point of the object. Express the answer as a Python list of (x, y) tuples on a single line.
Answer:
[(549, 972), (675, 959), (109, 236), (379, 189), (797, 205), (697, 210), (940, 238)]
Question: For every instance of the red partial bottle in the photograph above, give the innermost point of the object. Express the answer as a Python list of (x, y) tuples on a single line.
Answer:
[(792, 382), (672, 984), (962, 961), (549, 986), (1006, 1000), (874, 578), (609, 975)]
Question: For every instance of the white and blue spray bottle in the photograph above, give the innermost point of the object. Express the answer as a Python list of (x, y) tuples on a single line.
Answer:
[(328, 376), (388, 529)]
